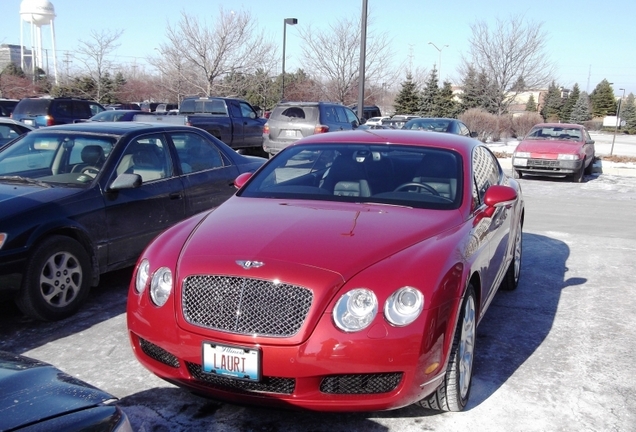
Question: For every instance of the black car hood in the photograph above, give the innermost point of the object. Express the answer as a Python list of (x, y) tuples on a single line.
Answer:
[(16, 198), (32, 391)]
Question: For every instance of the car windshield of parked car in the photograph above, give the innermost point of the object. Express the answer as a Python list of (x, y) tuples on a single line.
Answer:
[(437, 125), (411, 176), (67, 158), (554, 133)]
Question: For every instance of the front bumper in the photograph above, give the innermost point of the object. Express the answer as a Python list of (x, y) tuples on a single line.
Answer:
[(547, 167), (377, 369)]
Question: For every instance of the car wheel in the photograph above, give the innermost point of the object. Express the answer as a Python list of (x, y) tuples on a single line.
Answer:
[(590, 168), (516, 174), (453, 394), (57, 280), (511, 278), (577, 177)]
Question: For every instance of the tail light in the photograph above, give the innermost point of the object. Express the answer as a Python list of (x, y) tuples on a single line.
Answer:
[(321, 129), (50, 121), (266, 129)]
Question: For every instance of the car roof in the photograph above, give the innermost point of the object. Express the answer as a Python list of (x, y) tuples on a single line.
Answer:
[(560, 125), (114, 128), (462, 144)]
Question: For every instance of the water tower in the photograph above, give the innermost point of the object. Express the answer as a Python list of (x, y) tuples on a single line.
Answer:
[(38, 14)]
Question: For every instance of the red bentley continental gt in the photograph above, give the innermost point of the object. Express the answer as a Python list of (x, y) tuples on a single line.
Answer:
[(349, 273)]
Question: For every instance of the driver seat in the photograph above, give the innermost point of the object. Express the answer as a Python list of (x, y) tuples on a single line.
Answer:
[(92, 155), (439, 171)]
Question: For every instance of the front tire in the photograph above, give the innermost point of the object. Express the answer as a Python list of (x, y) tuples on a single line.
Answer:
[(453, 393), (57, 280), (577, 177)]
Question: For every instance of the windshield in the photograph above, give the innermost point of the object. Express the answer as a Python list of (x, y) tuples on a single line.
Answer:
[(554, 133), (56, 157), (409, 176)]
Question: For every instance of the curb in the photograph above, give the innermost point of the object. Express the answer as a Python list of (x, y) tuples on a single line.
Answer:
[(625, 171)]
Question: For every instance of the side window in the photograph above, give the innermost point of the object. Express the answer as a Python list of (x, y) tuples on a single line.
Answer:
[(485, 171), (341, 114), (64, 108), (463, 130), (196, 153), (351, 117), (147, 156), (330, 114), (80, 109), (94, 108), (247, 110), (235, 109)]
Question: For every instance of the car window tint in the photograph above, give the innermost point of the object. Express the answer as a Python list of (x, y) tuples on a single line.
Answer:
[(33, 154), (196, 153), (330, 115), (463, 130), (341, 114), (147, 156), (485, 170), (351, 117), (246, 110), (63, 108)]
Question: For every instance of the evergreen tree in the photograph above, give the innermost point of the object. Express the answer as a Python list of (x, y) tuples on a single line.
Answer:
[(603, 100), (551, 109), (568, 105), (430, 97), (488, 93), (471, 95), (531, 105), (407, 100), (581, 109), (446, 104), (628, 113)]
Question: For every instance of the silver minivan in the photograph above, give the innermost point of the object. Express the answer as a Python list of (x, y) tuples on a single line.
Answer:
[(290, 121)]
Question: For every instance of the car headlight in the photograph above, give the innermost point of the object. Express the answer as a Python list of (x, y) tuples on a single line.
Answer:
[(568, 157), (522, 154), (143, 274), (161, 286), (355, 310), (404, 306)]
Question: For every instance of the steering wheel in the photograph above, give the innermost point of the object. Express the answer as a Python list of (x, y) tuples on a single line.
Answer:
[(90, 170), (419, 186)]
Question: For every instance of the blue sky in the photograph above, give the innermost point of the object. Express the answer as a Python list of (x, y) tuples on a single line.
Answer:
[(588, 41)]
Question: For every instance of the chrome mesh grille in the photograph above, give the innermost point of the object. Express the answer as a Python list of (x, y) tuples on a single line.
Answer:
[(245, 305)]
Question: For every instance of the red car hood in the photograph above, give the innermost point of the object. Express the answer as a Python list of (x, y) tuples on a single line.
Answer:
[(550, 146), (338, 237)]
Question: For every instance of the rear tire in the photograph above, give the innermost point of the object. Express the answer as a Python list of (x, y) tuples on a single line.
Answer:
[(453, 393), (56, 281)]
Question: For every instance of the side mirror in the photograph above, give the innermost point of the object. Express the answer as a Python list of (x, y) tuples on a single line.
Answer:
[(125, 181), (242, 179), (499, 196)]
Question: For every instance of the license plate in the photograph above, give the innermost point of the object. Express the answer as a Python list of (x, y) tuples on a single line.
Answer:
[(232, 361), (289, 133), (28, 121)]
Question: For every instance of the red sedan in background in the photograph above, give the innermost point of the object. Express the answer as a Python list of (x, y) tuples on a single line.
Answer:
[(555, 150), (375, 256)]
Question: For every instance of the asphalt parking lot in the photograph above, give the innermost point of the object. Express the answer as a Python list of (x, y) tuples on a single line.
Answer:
[(557, 354)]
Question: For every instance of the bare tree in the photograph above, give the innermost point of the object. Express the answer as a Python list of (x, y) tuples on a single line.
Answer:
[(333, 55), (513, 57), (93, 54), (198, 56)]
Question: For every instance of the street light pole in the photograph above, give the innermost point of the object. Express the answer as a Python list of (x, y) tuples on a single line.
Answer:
[(290, 21), (439, 69), (618, 113)]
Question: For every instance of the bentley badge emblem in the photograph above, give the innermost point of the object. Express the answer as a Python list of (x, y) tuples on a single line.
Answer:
[(250, 264)]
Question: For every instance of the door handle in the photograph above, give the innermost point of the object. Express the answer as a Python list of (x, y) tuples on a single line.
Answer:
[(175, 195)]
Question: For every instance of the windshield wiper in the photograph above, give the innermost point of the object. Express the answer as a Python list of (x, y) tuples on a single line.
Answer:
[(24, 180)]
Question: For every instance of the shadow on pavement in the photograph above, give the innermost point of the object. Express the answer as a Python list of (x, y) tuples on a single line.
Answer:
[(19, 334)]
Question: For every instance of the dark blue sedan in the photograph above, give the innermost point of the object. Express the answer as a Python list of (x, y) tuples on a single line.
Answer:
[(439, 124), (82, 199)]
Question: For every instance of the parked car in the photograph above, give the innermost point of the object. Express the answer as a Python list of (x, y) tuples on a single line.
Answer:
[(45, 111), (373, 126), (555, 150), (114, 115), (7, 106), (123, 106), (376, 120), (83, 199), (36, 396), (398, 121), (290, 121), (375, 257), (11, 129), (439, 124), (233, 121), (368, 111)]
